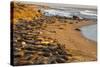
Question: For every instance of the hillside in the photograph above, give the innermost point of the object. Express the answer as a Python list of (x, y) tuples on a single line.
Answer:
[(24, 11)]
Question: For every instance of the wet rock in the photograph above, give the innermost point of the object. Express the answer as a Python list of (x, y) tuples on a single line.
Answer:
[(61, 28), (76, 17), (77, 29), (71, 23), (77, 22), (39, 11), (69, 55)]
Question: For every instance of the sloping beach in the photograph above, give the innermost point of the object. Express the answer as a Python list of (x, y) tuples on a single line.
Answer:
[(70, 36), (41, 39)]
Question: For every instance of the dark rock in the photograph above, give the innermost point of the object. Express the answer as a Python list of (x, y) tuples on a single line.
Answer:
[(61, 28), (71, 23), (77, 29), (76, 18), (69, 54), (76, 22)]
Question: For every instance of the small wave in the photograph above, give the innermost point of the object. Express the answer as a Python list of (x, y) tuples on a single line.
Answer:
[(52, 12), (87, 12), (90, 32)]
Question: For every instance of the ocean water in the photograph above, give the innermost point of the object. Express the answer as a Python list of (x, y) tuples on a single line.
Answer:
[(69, 12), (90, 31), (52, 12)]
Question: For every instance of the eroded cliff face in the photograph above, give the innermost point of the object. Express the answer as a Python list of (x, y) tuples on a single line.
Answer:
[(24, 11)]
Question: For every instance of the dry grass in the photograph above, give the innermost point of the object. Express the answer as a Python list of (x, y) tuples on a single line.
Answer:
[(24, 11)]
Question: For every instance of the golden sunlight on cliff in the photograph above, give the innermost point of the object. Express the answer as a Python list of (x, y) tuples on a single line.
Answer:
[(24, 11)]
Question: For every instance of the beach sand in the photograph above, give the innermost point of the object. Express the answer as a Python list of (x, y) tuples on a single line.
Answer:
[(31, 44), (65, 33)]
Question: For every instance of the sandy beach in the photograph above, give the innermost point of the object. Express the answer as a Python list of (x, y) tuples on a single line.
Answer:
[(73, 40), (40, 39)]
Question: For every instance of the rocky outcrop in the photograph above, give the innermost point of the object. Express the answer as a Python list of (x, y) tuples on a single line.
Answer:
[(76, 17)]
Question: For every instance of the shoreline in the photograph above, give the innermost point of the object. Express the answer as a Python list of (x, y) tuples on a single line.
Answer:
[(73, 40), (67, 34), (40, 39), (85, 36), (88, 25)]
